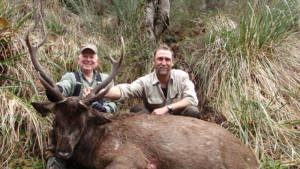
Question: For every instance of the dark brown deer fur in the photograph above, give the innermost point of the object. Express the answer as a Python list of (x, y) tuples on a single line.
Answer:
[(142, 141)]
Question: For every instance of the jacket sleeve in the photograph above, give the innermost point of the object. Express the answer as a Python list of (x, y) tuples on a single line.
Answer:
[(188, 89), (67, 84), (133, 90), (110, 106)]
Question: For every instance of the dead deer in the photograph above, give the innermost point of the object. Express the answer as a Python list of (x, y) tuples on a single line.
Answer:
[(141, 141)]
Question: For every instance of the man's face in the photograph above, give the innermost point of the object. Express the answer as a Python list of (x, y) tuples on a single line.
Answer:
[(163, 62), (88, 60)]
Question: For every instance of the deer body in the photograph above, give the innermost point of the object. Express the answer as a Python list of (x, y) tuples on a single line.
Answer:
[(166, 142)]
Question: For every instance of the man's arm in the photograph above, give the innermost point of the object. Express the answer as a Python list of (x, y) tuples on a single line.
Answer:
[(103, 105), (189, 96), (126, 91), (114, 93), (175, 106), (189, 93), (65, 85)]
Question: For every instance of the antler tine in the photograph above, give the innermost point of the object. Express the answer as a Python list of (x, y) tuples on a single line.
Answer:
[(43, 41), (45, 80), (95, 94)]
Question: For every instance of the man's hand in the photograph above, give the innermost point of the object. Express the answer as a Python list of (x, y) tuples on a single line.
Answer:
[(161, 111), (86, 91), (99, 106)]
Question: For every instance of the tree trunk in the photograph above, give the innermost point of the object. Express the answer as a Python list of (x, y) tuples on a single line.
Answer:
[(157, 18)]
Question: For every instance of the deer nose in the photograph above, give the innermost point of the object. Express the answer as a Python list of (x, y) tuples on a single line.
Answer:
[(64, 155)]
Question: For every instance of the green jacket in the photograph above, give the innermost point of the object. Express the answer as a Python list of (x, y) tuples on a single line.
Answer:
[(68, 83)]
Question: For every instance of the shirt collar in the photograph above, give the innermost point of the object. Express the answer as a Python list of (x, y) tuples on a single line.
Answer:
[(171, 75), (83, 77), (155, 79)]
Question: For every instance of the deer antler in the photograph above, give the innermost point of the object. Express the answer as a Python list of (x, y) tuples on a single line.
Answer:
[(45, 80), (95, 94)]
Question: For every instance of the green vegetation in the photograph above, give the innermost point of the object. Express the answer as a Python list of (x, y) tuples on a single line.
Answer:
[(245, 63), (249, 73)]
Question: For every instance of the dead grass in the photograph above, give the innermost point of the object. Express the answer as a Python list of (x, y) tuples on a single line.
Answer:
[(22, 130)]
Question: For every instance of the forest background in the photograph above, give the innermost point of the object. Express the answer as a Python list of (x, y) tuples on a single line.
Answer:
[(243, 56)]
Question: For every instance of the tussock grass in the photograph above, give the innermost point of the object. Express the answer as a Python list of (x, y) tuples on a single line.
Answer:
[(21, 129), (250, 73)]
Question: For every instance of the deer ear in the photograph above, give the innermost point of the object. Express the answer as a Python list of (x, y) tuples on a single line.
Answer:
[(97, 117), (44, 108), (100, 120)]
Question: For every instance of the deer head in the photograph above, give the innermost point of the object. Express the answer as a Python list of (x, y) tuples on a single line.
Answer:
[(72, 113)]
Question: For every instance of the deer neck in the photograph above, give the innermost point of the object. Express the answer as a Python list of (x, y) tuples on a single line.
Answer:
[(88, 144)]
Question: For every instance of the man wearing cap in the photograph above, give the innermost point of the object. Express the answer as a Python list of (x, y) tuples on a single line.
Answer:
[(80, 84)]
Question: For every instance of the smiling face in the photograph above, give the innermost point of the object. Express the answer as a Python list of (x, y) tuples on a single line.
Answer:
[(163, 62), (88, 60)]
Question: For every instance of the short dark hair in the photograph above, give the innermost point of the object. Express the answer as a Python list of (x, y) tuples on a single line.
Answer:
[(163, 47)]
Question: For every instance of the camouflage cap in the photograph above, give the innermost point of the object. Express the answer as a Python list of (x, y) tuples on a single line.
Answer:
[(89, 46)]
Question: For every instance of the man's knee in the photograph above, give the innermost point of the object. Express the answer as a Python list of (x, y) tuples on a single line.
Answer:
[(191, 111)]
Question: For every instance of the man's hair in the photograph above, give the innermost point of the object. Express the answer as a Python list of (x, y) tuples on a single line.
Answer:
[(163, 47)]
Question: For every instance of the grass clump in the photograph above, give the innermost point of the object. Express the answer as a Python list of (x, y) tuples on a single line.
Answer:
[(250, 73), (22, 133)]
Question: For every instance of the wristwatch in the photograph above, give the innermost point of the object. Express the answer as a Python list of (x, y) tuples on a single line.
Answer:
[(170, 108)]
